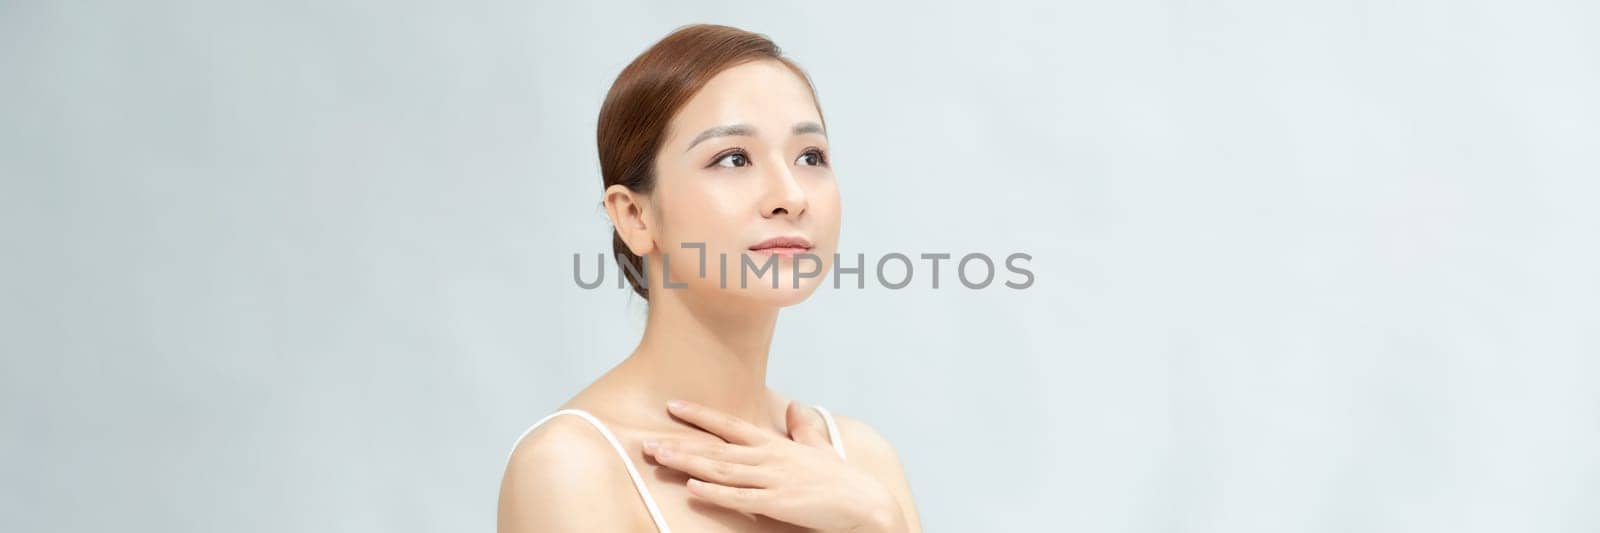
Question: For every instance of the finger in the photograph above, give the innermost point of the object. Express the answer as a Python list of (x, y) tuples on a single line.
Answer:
[(720, 472), (721, 424), (737, 498), (718, 450), (805, 427)]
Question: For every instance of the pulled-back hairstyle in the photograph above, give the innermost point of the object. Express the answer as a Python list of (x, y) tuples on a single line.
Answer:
[(646, 95)]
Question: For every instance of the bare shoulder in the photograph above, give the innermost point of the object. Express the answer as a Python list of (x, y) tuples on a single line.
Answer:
[(862, 440), (870, 450), (565, 476)]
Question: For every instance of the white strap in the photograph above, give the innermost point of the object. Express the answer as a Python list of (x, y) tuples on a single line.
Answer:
[(638, 481), (833, 431)]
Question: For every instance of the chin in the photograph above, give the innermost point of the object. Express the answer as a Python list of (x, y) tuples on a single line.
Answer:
[(784, 296)]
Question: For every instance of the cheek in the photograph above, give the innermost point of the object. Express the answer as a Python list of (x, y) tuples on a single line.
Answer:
[(698, 212), (825, 204)]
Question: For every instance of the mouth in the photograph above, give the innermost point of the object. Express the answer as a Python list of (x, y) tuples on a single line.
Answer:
[(783, 246)]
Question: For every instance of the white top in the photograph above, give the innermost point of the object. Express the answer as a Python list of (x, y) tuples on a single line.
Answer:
[(638, 481)]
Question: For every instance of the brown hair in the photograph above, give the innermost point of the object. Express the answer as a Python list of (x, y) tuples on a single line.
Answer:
[(646, 95)]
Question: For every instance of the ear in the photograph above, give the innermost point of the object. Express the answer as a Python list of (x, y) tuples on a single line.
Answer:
[(628, 213)]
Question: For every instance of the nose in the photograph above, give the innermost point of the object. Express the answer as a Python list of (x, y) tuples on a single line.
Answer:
[(784, 195)]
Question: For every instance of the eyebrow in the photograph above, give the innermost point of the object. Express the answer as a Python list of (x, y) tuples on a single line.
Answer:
[(750, 131)]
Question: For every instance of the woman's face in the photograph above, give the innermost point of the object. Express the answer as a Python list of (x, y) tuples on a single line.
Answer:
[(745, 161)]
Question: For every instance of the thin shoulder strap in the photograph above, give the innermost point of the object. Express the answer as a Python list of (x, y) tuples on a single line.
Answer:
[(833, 431), (638, 481)]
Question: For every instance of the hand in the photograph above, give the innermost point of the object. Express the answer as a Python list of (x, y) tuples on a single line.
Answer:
[(800, 480)]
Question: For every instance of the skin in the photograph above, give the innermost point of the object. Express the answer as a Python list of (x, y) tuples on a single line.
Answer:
[(758, 461)]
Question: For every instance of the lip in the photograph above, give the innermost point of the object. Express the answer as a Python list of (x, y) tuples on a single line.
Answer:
[(792, 244)]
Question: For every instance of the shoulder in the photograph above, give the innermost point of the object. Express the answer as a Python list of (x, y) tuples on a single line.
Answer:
[(869, 450), (863, 444), (565, 476)]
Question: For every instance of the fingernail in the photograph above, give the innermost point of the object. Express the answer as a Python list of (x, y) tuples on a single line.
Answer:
[(663, 454), (675, 404), (650, 445)]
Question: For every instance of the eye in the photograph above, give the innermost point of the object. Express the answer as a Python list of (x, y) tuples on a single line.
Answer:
[(812, 158), (732, 159)]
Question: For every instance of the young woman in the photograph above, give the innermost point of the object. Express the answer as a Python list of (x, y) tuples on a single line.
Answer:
[(714, 154)]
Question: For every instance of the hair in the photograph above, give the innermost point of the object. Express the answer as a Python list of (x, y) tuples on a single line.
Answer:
[(650, 91)]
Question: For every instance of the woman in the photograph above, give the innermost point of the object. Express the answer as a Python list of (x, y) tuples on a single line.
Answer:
[(715, 159)]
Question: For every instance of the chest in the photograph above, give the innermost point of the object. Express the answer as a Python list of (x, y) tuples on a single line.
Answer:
[(686, 513)]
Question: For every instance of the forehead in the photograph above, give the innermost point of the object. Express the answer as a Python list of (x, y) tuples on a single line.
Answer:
[(765, 94)]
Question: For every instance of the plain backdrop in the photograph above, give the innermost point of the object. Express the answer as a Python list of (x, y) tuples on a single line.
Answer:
[(1313, 267)]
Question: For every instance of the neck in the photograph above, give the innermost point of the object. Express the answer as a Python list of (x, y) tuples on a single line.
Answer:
[(707, 353)]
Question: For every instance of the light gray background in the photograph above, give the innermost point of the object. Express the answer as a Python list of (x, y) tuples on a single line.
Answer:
[(285, 266)]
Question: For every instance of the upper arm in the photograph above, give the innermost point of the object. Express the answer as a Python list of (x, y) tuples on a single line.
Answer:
[(564, 476), (868, 449)]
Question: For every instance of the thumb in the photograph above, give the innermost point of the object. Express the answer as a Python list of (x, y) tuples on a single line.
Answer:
[(805, 427)]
